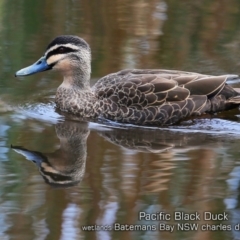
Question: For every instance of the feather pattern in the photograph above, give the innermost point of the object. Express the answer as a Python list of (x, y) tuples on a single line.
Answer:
[(161, 97)]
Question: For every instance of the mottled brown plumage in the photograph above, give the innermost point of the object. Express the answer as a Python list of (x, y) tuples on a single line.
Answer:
[(161, 97), (142, 97)]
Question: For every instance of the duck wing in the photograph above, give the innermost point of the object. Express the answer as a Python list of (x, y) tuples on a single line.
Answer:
[(159, 97)]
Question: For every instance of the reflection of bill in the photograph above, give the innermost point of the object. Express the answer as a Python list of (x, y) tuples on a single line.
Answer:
[(66, 166)]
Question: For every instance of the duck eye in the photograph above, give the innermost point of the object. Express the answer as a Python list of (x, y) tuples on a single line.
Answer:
[(61, 50)]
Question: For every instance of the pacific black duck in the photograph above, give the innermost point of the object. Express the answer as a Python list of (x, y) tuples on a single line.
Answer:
[(136, 96)]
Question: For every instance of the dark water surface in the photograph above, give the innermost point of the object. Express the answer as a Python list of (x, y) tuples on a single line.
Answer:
[(116, 173)]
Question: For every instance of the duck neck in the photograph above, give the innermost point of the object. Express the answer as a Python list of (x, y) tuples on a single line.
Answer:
[(78, 79), (75, 96)]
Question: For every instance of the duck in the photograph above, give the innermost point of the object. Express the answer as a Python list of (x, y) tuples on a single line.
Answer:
[(147, 97)]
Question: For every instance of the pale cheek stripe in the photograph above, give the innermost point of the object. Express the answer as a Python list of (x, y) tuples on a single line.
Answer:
[(53, 59)]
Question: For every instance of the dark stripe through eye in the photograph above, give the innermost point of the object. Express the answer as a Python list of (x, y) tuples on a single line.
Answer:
[(60, 50), (57, 177)]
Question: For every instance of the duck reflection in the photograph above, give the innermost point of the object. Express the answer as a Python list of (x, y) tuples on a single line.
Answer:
[(65, 167)]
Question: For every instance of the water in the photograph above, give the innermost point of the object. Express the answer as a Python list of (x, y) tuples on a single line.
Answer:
[(59, 175)]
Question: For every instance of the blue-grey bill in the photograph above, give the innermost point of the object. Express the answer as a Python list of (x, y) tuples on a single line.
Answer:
[(36, 157), (39, 66)]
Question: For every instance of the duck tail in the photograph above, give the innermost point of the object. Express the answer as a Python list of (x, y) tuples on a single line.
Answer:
[(237, 90), (234, 100)]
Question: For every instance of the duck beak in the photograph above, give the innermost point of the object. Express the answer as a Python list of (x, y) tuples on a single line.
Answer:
[(39, 66)]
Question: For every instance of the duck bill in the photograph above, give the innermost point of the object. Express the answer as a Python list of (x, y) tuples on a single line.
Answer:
[(39, 66)]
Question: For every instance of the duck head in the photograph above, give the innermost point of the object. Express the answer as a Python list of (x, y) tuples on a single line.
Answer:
[(67, 54)]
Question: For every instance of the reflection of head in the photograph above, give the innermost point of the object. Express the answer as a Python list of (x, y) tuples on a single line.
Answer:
[(49, 172), (66, 166)]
